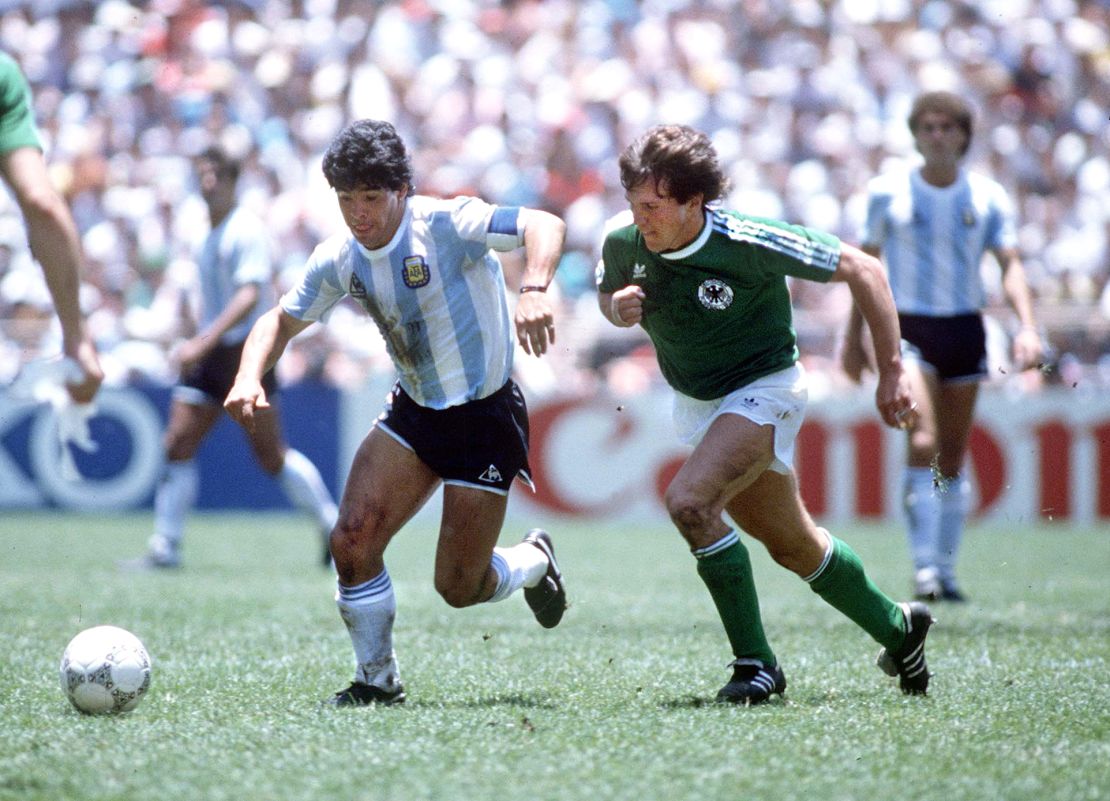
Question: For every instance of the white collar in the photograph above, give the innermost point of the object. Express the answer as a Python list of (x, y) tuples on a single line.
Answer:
[(694, 246)]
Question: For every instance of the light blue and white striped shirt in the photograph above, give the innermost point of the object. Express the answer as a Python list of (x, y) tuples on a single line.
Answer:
[(436, 292), (932, 239), (235, 253)]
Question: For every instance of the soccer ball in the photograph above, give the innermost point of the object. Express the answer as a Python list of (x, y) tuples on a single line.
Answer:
[(105, 669)]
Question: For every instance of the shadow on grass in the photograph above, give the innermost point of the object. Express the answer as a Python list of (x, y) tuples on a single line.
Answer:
[(695, 702), (686, 702), (489, 702)]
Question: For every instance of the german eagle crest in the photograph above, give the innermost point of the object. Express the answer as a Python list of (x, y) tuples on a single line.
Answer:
[(715, 294)]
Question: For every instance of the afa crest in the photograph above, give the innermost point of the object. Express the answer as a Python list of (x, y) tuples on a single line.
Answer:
[(416, 272)]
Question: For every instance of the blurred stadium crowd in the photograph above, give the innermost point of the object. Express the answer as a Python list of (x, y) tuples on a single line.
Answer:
[(530, 102)]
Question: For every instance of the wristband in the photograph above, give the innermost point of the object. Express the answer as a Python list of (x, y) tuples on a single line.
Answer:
[(533, 288)]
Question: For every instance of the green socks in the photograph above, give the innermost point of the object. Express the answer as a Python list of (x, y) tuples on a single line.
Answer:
[(726, 570), (841, 581), (843, 584)]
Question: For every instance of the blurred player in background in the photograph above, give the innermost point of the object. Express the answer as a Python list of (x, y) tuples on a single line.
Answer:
[(235, 273), (709, 287), (932, 225), (51, 231), (425, 271)]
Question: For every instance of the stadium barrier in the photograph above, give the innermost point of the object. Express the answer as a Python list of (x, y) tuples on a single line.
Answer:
[(1043, 457), (1032, 457)]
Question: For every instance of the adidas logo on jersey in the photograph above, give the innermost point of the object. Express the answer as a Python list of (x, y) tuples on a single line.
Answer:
[(491, 475)]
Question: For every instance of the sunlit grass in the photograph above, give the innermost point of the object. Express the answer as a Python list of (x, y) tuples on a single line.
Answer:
[(613, 704)]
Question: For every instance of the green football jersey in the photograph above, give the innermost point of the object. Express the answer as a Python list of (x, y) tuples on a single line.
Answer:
[(17, 121), (718, 311)]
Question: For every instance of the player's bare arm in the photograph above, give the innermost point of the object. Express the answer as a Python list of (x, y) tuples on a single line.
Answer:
[(543, 245), (1028, 347), (623, 308), (856, 356), (56, 245), (264, 346), (197, 347), (867, 281)]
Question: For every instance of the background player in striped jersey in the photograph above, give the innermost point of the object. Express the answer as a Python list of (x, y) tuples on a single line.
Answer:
[(932, 226), (425, 271), (709, 287), (235, 273)]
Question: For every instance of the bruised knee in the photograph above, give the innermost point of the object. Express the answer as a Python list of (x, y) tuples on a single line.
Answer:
[(690, 514), (357, 546)]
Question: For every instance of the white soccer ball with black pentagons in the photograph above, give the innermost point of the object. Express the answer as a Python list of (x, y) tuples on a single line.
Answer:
[(105, 669)]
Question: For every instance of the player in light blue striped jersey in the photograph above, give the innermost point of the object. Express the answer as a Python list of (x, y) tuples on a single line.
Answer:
[(235, 274), (932, 226), (424, 269)]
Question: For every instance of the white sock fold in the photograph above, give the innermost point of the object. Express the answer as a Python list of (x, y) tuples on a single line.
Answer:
[(727, 541), (522, 565), (368, 611)]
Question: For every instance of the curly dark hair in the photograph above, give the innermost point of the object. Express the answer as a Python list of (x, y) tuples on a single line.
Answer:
[(679, 159), (225, 165), (944, 103), (368, 154)]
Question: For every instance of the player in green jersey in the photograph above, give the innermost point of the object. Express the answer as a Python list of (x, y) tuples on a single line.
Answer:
[(709, 287), (51, 231)]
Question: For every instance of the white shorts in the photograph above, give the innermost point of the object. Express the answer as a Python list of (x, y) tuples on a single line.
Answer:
[(777, 400)]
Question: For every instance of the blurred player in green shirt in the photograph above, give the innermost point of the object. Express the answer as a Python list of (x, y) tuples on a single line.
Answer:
[(51, 231)]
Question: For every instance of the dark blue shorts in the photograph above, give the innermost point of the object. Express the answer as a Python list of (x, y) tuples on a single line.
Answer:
[(212, 378), (481, 443), (953, 348)]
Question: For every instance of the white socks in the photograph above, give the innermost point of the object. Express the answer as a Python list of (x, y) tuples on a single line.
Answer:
[(922, 504), (936, 516), (368, 611), (522, 565), (306, 489), (953, 512), (174, 497)]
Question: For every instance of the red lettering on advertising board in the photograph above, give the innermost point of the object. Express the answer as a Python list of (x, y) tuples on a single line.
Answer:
[(811, 463), (1054, 441), (541, 422), (989, 465), (1102, 458), (868, 438)]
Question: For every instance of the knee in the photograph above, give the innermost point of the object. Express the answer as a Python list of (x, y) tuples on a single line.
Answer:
[(351, 543), (344, 545), (687, 511)]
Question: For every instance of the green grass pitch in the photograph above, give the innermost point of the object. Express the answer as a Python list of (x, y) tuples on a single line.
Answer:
[(612, 704)]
